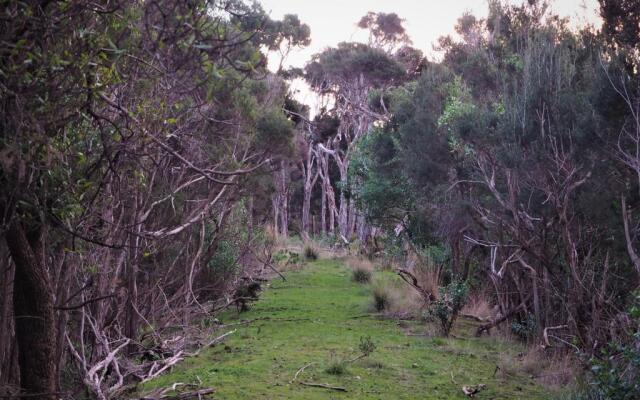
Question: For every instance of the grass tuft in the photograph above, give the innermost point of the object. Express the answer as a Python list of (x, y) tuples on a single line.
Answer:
[(361, 276), (336, 368), (310, 253), (381, 298), (362, 269)]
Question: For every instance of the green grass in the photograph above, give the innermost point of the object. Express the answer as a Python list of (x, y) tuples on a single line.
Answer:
[(319, 315)]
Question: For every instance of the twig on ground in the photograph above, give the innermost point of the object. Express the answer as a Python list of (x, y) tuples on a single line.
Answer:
[(312, 384), (179, 396), (301, 370), (323, 385), (248, 321)]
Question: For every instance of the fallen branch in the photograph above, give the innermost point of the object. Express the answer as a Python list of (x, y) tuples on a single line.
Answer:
[(219, 338), (506, 316), (324, 386), (213, 342), (180, 396), (166, 364), (301, 370), (248, 321)]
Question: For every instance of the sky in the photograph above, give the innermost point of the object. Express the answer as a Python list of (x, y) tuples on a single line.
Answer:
[(334, 21)]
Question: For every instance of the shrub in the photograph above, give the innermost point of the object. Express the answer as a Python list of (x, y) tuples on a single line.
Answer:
[(310, 253), (294, 258), (281, 256), (525, 329), (450, 301), (366, 346), (381, 298), (336, 367), (361, 275), (616, 373), (362, 269)]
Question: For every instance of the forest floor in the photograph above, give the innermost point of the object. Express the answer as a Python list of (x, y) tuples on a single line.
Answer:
[(318, 315)]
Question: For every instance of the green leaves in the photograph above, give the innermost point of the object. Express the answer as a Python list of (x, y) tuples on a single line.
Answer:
[(350, 62), (451, 300), (274, 130)]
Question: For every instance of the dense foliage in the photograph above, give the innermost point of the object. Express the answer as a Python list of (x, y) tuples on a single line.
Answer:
[(517, 153), (132, 145)]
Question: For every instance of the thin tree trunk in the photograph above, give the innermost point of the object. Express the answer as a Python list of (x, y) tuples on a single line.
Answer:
[(276, 213), (284, 200), (323, 210), (343, 222), (353, 214), (306, 202)]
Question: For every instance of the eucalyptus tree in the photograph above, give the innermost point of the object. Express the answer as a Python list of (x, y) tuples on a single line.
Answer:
[(347, 75)]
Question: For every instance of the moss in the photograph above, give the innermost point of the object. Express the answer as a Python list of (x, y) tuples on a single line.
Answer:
[(319, 313)]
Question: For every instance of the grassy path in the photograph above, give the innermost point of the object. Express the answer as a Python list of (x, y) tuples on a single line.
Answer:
[(318, 315)]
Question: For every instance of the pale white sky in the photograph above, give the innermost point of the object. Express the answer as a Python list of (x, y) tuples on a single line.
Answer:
[(334, 21)]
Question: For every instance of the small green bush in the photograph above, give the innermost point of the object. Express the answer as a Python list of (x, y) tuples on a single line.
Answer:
[(525, 329), (361, 275), (294, 258), (366, 346), (450, 302), (281, 256), (310, 253)]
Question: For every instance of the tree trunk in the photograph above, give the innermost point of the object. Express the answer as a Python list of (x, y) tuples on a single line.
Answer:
[(332, 208), (323, 210), (7, 336), (33, 315), (328, 195), (307, 168), (276, 213), (353, 214), (284, 200), (343, 216), (306, 207)]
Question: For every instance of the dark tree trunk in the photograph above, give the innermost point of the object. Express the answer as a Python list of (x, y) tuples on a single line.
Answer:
[(7, 336), (33, 314)]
